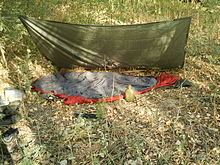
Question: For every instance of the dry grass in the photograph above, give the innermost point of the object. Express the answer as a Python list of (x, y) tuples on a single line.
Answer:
[(164, 127)]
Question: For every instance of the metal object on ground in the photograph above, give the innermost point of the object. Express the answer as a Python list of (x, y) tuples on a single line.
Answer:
[(129, 94)]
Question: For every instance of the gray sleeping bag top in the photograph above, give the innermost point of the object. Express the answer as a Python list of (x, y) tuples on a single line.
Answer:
[(92, 85)]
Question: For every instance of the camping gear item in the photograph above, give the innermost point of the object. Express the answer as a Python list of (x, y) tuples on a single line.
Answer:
[(91, 87), (157, 44), (129, 94), (9, 120), (11, 96), (9, 135), (10, 99)]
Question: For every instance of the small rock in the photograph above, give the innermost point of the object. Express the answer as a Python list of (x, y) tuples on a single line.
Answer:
[(138, 161), (63, 162), (178, 142)]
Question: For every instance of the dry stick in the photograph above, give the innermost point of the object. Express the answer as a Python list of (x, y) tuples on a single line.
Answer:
[(2, 154), (19, 145), (105, 63), (215, 108), (113, 86), (71, 149), (3, 56), (90, 143)]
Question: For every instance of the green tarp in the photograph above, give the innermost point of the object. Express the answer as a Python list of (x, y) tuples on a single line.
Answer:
[(158, 44)]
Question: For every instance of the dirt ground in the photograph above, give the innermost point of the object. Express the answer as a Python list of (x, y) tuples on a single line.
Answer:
[(165, 126)]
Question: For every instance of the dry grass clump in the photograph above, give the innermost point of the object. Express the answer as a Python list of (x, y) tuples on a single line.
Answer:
[(164, 126)]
